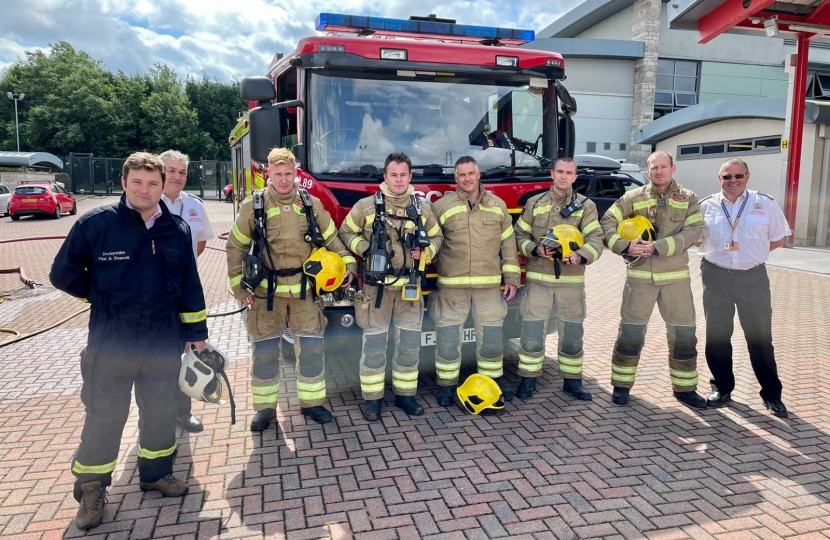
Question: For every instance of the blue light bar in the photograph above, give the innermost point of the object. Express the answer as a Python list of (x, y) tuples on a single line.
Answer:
[(358, 24)]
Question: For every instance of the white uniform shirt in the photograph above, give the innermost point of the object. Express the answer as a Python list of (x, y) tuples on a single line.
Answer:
[(762, 222), (192, 211)]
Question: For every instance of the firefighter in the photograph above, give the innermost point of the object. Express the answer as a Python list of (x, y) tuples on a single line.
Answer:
[(555, 279), (132, 261), (390, 258), (658, 271), (477, 228), (281, 294), (192, 210)]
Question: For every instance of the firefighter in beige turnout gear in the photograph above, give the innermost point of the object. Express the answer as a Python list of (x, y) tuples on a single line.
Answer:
[(477, 228), (356, 233), (660, 275), (285, 226), (550, 299)]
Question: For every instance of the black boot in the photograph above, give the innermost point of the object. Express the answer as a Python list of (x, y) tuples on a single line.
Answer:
[(620, 395), (526, 388), (262, 419), (319, 414), (371, 409), (691, 399), (445, 395), (574, 388), (409, 405), (505, 393)]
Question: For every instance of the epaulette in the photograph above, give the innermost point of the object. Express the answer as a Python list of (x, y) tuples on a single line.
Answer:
[(705, 198), (197, 198), (765, 195)]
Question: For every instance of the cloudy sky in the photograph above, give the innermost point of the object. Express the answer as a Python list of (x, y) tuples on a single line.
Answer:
[(227, 39)]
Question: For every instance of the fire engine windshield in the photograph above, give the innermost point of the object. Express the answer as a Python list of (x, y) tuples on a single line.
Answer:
[(356, 122)]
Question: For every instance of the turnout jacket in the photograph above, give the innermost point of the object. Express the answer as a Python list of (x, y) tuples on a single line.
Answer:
[(675, 215), (356, 231), (541, 213), (285, 227), (131, 274), (474, 236)]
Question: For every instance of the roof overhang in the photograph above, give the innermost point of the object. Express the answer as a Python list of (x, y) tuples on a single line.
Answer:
[(591, 48), (584, 16), (31, 159)]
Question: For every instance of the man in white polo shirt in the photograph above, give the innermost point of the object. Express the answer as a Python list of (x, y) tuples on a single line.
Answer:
[(741, 228), (191, 209)]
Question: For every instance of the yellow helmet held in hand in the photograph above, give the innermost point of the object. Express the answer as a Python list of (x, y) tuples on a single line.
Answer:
[(327, 269), (480, 392), (636, 227), (567, 238)]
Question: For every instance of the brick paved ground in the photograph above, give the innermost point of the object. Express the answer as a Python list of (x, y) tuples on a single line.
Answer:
[(549, 467)]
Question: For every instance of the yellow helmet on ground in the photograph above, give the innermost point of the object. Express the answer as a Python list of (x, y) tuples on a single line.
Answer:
[(327, 269), (636, 227), (567, 238), (480, 392)]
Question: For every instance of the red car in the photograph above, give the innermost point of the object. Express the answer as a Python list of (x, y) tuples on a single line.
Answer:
[(41, 199)]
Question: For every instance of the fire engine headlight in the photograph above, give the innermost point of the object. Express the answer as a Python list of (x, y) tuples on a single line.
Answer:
[(507, 61), (393, 54), (346, 321)]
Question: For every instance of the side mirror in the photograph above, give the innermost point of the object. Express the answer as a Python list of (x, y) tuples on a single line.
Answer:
[(565, 98), (265, 130), (257, 89), (567, 136)]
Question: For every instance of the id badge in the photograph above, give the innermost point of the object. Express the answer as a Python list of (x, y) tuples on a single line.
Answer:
[(731, 246)]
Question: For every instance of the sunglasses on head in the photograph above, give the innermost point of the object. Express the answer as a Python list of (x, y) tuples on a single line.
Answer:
[(728, 177)]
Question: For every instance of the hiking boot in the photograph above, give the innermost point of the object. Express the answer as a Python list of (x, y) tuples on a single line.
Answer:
[(691, 399), (91, 511), (620, 395), (506, 394), (574, 388), (526, 388), (319, 414), (445, 395), (371, 409), (168, 485), (409, 405), (262, 419)]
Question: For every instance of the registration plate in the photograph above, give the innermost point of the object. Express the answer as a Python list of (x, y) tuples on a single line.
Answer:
[(428, 338), (29, 200)]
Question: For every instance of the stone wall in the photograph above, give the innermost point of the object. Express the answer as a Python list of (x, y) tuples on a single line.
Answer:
[(646, 28), (13, 179)]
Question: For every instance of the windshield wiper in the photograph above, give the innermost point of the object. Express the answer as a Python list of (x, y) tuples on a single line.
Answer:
[(504, 170)]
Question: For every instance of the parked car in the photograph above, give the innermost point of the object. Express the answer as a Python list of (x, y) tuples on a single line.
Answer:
[(41, 199), (5, 199), (227, 191), (602, 180)]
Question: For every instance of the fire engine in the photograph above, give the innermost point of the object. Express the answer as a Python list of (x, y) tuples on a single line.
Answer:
[(428, 87)]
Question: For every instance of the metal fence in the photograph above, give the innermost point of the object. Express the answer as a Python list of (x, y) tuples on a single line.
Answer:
[(102, 176)]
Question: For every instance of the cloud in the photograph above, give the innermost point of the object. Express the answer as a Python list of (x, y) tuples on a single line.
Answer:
[(226, 40)]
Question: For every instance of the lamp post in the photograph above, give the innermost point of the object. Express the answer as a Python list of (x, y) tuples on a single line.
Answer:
[(16, 125)]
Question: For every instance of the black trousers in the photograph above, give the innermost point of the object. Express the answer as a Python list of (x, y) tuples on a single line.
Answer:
[(748, 290), (183, 402)]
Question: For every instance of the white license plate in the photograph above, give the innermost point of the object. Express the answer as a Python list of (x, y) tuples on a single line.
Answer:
[(428, 338)]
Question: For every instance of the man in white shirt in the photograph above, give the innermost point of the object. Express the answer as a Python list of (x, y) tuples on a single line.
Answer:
[(191, 209), (742, 227)]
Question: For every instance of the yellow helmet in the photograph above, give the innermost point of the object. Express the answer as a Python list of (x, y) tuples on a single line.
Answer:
[(566, 238), (480, 392), (327, 269), (636, 227)]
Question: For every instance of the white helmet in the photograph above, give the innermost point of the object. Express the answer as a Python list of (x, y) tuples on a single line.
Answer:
[(199, 375)]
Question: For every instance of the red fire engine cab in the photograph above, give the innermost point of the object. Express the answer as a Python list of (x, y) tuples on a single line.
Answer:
[(428, 87)]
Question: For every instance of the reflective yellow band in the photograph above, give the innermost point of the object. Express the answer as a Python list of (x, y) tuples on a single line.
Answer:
[(578, 213), (549, 278), (531, 363), (539, 210), (244, 240), (348, 259), (265, 390), (80, 468), (520, 223), (508, 232), (492, 210), (353, 244), (450, 212), (623, 374), (309, 391), (568, 361), (370, 219), (492, 373), (272, 212), (193, 316), (156, 454), (235, 281), (626, 370), (297, 288), (510, 268), (668, 276), (405, 381), (638, 274), (489, 364), (677, 204), (694, 218), (405, 375), (648, 203), (615, 211), (613, 240), (590, 248), (469, 280), (371, 388), (351, 224), (434, 230), (525, 245), (671, 246), (432, 250), (330, 230), (683, 378), (369, 379), (592, 226)]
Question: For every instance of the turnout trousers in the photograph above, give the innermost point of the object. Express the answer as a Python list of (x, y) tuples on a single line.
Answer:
[(119, 356), (678, 311), (306, 321), (407, 318), (450, 307), (748, 290), (562, 308)]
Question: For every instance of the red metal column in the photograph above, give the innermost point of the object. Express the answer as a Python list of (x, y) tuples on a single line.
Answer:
[(797, 128)]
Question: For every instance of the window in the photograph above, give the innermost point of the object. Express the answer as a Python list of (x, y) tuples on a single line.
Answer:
[(760, 145), (676, 86), (608, 188), (628, 185), (591, 147), (607, 146), (622, 147), (581, 186)]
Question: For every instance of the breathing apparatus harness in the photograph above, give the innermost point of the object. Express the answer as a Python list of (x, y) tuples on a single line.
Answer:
[(254, 269)]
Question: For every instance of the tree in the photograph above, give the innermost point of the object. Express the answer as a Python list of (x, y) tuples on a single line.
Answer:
[(217, 106)]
